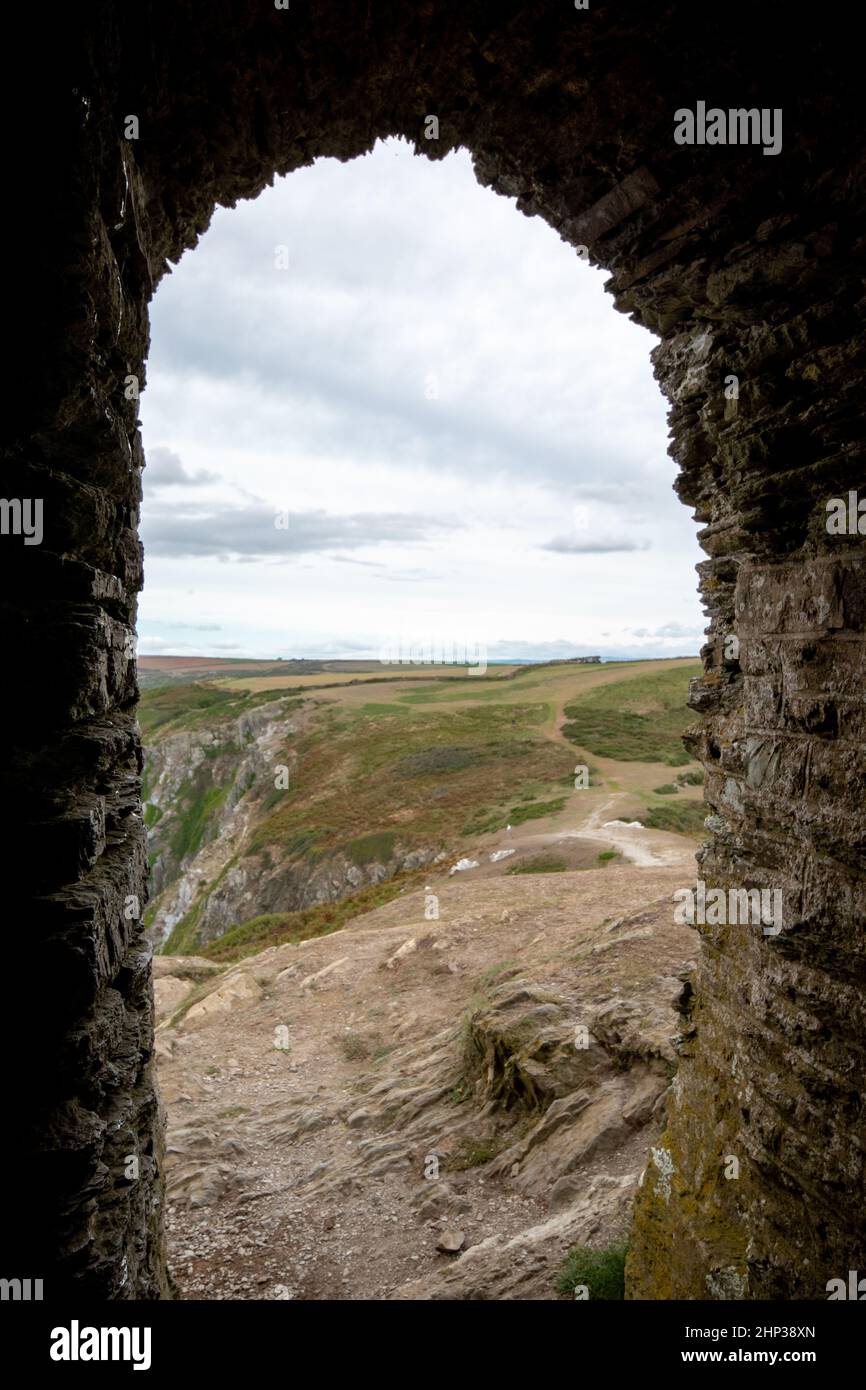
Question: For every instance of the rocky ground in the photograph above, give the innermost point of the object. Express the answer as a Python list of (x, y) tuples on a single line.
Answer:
[(423, 1108)]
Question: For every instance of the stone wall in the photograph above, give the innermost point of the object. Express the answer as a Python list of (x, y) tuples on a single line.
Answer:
[(741, 263)]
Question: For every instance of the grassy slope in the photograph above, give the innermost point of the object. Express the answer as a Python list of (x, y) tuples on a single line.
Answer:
[(416, 776), (640, 719), (432, 765), (180, 708)]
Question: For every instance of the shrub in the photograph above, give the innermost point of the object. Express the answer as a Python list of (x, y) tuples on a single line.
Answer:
[(481, 822), (602, 1271), (472, 1153), (686, 819), (353, 1047), (666, 789), (518, 814), (691, 779), (434, 760)]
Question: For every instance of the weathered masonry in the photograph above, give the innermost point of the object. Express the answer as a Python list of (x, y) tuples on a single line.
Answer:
[(749, 270)]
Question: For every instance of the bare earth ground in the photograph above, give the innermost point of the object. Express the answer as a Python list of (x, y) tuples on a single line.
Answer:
[(326, 1160)]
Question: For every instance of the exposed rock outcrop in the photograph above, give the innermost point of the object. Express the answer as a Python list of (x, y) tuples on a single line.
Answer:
[(497, 1093)]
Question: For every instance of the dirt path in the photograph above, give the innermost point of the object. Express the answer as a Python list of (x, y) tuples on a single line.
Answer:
[(328, 1124), (588, 825), (642, 846)]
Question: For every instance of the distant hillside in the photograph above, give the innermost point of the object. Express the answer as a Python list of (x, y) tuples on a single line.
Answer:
[(280, 805)]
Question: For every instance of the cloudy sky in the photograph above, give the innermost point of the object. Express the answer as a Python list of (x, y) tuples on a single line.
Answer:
[(382, 408)]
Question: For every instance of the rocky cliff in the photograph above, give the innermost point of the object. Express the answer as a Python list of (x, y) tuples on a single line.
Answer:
[(212, 860)]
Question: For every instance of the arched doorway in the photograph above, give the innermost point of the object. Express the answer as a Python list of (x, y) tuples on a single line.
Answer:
[(746, 263)]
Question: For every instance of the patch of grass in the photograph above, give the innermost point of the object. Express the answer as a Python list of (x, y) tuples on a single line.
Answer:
[(196, 973), (666, 789), (382, 711), (601, 1271), (440, 758), (539, 864), (274, 796), (297, 844), (607, 855), (195, 808), (472, 1153), (495, 972), (686, 818), (483, 822), (353, 1047), (183, 937), (636, 720), (535, 810), (344, 782), (382, 1052), (691, 779), (152, 814), (375, 848), (467, 688)]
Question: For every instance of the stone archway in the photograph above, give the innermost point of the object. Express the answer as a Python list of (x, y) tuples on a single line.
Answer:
[(745, 265)]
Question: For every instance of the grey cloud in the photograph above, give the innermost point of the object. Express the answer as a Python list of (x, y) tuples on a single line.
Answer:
[(592, 545), (164, 467), (399, 268), (338, 405), (249, 531), (610, 493), (327, 349)]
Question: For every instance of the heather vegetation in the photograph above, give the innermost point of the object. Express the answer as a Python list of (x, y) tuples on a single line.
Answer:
[(318, 803)]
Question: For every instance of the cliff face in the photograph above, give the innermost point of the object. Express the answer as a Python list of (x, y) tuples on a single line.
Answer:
[(213, 863), (747, 266), (194, 781), (765, 1134)]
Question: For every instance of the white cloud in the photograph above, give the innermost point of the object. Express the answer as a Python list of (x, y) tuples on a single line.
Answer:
[(164, 468), (432, 391)]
